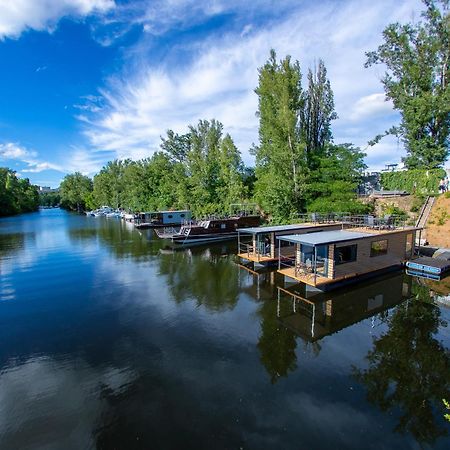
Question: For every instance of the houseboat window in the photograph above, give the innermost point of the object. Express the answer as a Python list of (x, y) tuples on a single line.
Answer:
[(378, 248), (409, 245), (170, 216), (346, 254), (181, 215)]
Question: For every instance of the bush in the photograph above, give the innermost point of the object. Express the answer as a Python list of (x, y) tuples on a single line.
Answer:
[(417, 181), (392, 210), (417, 203)]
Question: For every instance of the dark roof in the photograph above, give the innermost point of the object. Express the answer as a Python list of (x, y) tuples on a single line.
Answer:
[(325, 237)]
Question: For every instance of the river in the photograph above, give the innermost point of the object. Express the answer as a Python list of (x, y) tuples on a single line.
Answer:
[(110, 339)]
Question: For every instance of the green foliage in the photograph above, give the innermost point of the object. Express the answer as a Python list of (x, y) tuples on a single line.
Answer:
[(391, 210), (417, 203), (51, 199), (280, 156), (317, 114), (417, 81), (447, 194), (447, 406), (332, 186), (201, 170), (296, 165), (75, 191), (418, 181), (17, 195), (407, 368)]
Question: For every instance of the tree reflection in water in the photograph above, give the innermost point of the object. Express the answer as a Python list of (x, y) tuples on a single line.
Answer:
[(118, 237), (276, 343), (206, 275), (408, 369)]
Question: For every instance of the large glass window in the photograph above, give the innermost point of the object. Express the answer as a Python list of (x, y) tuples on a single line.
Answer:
[(378, 248), (346, 254)]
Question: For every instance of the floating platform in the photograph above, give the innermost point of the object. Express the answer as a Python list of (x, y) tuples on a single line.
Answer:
[(428, 265)]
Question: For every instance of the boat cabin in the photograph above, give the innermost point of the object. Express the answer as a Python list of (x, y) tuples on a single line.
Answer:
[(326, 260), (264, 247), (164, 218)]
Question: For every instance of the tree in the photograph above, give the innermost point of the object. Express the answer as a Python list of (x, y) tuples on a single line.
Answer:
[(332, 185), (75, 189), (280, 155), (417, 57), (17, 195), (317, 114), (109, 184), (209, 168)]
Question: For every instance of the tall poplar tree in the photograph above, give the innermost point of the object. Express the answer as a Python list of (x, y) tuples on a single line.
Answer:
[(417, 57), (280, 155), (317, 114)]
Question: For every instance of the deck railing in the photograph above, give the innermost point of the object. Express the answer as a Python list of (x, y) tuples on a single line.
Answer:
[(354, 220)]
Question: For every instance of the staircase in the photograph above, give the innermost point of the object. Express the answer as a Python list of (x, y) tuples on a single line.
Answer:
[(425, 212)]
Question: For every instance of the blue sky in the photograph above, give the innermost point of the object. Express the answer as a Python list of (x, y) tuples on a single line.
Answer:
[(86, 81)]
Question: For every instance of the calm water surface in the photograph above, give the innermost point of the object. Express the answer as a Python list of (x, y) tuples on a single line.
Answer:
[(109, 340)]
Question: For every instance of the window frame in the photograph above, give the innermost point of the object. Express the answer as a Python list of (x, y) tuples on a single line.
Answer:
[(336, 252), (378, 253)]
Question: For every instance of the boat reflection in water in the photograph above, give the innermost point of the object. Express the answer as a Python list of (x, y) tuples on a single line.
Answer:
[(315, 314), (405, 373)]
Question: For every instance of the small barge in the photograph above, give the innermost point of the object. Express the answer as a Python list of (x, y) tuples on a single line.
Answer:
[(209, 230), (427, 267)]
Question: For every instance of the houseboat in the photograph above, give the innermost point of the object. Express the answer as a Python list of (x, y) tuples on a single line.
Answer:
[(209, 230), (329, 259), (162, 219), (263, 248)]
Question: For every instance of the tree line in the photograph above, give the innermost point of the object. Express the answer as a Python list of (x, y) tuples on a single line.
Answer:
[(298, 166), (17, 195)]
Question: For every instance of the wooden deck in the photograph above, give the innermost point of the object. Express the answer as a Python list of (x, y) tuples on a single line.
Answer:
[(307, 278), (286, 252)]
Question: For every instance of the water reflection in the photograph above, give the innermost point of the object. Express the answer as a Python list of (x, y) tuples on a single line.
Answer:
[(11, 243), (105, 346), (315, 315), (119, 237), (408, 369), (206, 275)]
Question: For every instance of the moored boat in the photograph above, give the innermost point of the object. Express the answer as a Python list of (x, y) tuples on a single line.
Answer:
[(209, 230), (162, 219)]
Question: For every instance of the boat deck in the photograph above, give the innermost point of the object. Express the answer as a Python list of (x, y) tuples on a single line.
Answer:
[(309, 278), (286, 253)]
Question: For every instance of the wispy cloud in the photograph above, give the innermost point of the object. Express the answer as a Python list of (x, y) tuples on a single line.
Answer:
[(17, 16), (16, 152), (220, 78)]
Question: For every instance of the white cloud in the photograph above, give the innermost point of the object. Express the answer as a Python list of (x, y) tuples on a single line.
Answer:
[(372, 105), (221, 77), (14, 151), (16, 16)]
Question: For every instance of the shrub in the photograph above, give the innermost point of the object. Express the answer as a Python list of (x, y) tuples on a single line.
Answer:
[(417, 181)]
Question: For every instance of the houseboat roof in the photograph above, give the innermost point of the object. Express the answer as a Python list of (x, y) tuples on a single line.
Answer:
[(275, 228), (326, 237)]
